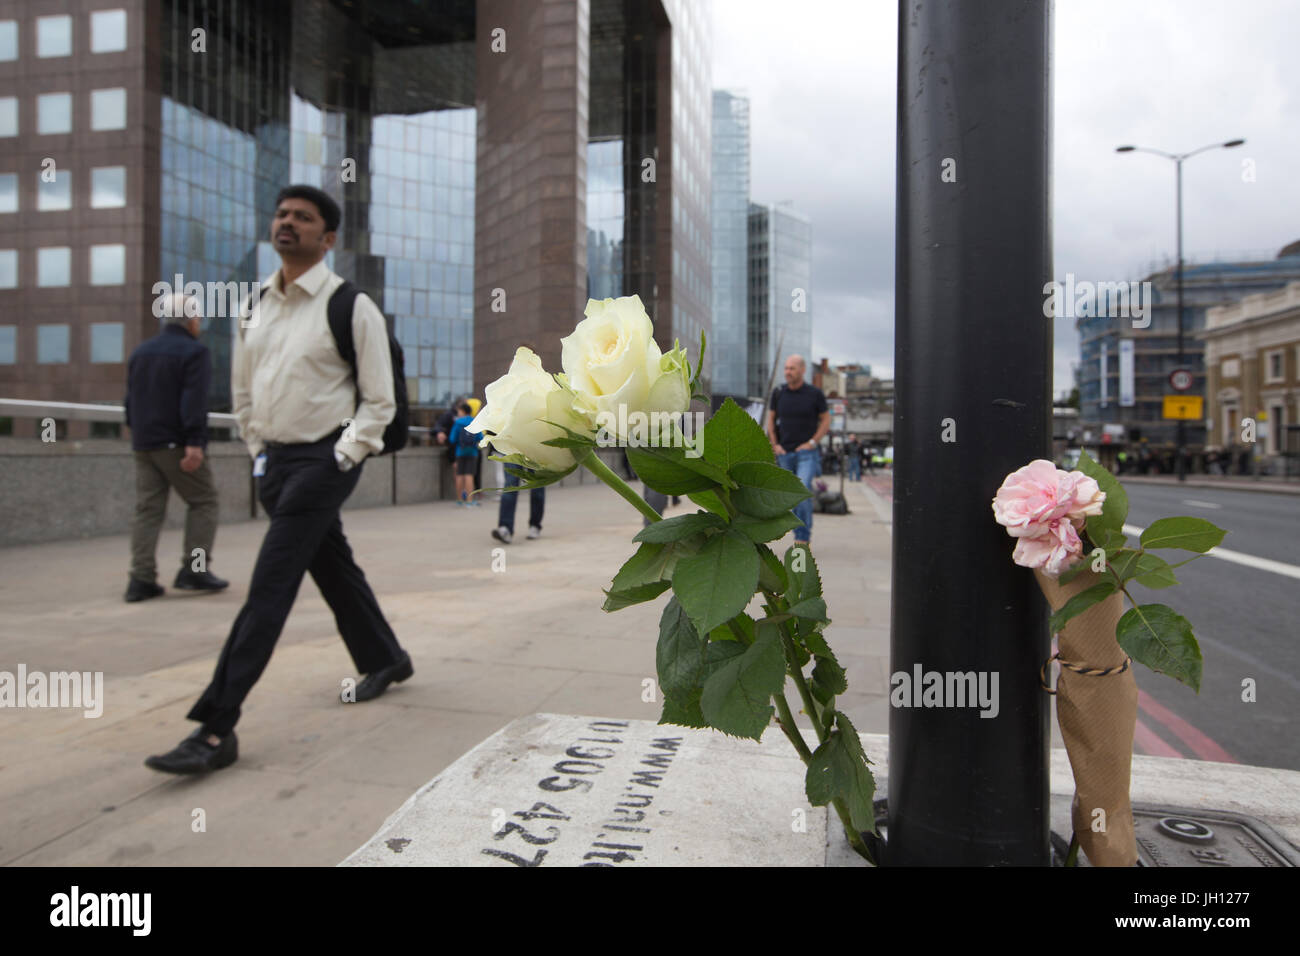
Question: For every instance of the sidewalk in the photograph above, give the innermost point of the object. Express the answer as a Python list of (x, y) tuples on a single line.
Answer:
[(1228, 482), (316, 778)]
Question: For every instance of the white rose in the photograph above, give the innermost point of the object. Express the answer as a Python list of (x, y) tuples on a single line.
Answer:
[(517, 409), (612, 359)]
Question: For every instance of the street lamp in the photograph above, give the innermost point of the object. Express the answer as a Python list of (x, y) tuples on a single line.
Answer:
[(1178, 158)]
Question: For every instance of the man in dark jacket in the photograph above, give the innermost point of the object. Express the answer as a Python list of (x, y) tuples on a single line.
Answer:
[(167, 412)]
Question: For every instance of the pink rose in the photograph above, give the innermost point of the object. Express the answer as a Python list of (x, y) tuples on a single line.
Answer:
[(1054, 551), (1027, 502), (1088, 498), (1033, 498)]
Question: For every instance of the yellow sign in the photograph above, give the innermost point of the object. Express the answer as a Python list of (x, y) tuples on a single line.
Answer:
[(1188, 407)]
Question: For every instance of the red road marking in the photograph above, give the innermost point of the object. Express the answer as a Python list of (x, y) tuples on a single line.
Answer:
[(1200, 744), (1150, 743)]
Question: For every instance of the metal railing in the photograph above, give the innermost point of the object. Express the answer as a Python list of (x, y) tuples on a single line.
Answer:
[(88, 412)]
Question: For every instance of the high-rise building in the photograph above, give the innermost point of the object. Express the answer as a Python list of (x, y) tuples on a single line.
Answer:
[(496, 163), (1128, 395), (780, 293), (729, 345)]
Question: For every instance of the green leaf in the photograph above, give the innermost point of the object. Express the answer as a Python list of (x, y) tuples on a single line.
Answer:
[(731, 436), (699, 364), (723, 632), (588, 441), (801, 570), (839, 769), (665, 474), (766, 529), (716, 584), (645, 566), (679, 655), (1111, 540), (1189, 534), (828, 674), (617, 600), (1124, 562), (1115, 510), (1081, 602), (771, 573), (816, 644), (1155, 635), (1154, 571), (737, 696), (683, 526), (812, 609), (710, 501), (766, 491), (1071, 573), (538, 478), (683, 713), (717, 653)]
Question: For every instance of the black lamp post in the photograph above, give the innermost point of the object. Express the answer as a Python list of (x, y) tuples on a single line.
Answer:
[(1178, 158)]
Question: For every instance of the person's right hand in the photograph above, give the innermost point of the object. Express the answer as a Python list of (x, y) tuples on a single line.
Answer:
[(193, 458), (778, 449)]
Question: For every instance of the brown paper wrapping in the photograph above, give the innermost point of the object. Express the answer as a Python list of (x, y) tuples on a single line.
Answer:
[(1097, 716)]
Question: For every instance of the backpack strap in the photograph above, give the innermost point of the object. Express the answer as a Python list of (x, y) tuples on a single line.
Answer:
[(339, 310)]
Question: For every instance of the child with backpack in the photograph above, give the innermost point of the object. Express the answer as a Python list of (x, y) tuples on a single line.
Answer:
[(466, 444)]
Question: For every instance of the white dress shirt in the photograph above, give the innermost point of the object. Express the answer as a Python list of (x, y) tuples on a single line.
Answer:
[(288, 381)]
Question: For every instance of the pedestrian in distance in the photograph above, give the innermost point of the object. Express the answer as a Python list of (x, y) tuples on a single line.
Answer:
[(853, 452), (467, 457), (797, 420), (167, 411), (309, 417)]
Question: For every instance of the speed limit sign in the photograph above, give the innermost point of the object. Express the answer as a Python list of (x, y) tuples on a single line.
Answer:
[(1180, 379)]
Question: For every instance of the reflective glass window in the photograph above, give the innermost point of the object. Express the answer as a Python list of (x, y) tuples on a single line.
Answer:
[(108, 109), (106, 342), (8, 344), (8, 192), (8, 116), (52, 344), (54, 113), (8, 268), (54, 37), (8, 40), (108, 187), (56, 193), (107, 31), (108, 265), (53, 266)]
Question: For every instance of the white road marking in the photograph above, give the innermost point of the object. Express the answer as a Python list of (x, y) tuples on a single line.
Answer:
[(1236, 557), (1201, 504)]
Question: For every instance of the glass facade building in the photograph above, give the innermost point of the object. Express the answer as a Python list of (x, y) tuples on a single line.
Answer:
[(729, 345), (575, 165), (780, 292)]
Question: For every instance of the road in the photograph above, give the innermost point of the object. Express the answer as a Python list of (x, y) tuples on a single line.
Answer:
[(1247, 620)]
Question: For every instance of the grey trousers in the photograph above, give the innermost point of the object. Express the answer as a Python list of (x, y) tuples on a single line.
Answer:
[(156, 473)]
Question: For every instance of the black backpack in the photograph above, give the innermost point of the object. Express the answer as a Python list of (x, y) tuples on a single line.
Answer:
[(339, 311)]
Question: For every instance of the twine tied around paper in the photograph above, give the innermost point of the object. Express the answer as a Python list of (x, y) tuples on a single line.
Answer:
[(1079, 669)]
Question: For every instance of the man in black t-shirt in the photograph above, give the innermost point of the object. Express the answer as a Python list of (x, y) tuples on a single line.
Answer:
[(797, 419)]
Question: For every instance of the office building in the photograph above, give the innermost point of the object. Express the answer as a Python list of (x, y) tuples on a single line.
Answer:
[(496, 163)]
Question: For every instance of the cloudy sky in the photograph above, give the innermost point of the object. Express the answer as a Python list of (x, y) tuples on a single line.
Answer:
[(1168, 74)]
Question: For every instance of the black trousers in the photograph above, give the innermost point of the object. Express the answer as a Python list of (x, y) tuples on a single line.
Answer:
[(302, 492)]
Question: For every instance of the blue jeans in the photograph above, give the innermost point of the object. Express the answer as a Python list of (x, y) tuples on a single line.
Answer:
[(536, 503), (807, 465), (855, 468)]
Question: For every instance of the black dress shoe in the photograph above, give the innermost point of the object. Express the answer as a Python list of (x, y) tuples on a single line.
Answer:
[(188, 580), (139, 590), (195, 755), (372, 685)]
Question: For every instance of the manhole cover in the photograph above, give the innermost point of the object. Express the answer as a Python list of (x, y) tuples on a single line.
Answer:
[(1169, 836)]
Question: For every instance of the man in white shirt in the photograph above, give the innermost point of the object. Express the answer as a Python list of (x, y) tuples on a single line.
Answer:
[(309, 423)]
